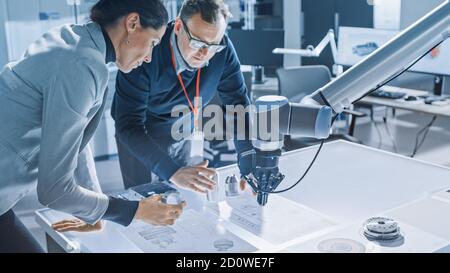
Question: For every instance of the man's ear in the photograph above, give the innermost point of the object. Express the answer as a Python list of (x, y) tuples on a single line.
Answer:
[(132, 22), (177, 25)]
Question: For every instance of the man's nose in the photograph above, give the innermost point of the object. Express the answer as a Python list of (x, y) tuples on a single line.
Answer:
[(204, 51)]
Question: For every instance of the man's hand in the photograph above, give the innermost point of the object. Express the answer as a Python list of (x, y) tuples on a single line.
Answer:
[(195, 178), (243, 185), (153, 211), (76, 225)]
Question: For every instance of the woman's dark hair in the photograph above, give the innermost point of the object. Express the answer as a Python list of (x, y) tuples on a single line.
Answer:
[(152, 13)]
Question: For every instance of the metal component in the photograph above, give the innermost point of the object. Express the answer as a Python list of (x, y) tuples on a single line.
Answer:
[(231, 186), (341, 245), (268, 145), (381, 229), (223, 244), (265, 176), (172, 198)]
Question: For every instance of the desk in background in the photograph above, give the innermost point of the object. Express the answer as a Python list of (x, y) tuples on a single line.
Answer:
[(419, 107)]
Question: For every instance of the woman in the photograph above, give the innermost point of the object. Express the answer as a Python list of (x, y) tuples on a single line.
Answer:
[(51, 102)]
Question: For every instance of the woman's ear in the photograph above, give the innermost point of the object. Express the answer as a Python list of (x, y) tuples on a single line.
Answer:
[(132, 22)]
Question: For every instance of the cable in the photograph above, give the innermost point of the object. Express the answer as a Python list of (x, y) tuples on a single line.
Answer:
[(307, 170), (380, 136), (425, 130), (394, 143)]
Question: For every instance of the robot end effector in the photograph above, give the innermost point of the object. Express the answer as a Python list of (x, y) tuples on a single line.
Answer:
[(279, 117), (313, 116)]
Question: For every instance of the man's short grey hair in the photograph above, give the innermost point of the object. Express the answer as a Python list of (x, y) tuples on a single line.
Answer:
[(210, 10)]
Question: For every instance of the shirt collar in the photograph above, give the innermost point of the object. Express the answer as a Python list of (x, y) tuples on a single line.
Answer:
[(110, 51), (180, 63)]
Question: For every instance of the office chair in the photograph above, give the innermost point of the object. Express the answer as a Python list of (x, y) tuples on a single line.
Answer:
[(297, 82)]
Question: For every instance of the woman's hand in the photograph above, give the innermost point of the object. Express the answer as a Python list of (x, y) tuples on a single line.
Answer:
[(153, 211), (76, 225)]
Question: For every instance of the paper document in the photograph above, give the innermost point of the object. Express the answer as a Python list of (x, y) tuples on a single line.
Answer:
[(280, 221), (192, 232)]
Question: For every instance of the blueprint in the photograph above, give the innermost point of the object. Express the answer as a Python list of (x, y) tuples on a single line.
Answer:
[(191, 233), (280, 221)]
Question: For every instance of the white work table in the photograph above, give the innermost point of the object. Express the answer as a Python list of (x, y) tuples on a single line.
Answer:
[(348, 184)]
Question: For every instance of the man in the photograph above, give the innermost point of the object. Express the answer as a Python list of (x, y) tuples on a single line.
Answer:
[(195, 57)]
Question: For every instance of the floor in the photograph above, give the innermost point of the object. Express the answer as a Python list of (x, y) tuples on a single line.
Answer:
[(403, 128)]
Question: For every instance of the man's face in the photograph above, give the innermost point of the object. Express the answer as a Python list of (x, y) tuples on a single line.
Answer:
[(197, 29)]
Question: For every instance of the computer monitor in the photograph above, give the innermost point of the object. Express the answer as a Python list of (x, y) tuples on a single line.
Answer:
[(356, 43), (254, 47), (436, 62)]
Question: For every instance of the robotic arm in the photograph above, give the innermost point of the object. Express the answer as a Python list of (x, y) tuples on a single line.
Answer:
[(313, 116), (312, 51)]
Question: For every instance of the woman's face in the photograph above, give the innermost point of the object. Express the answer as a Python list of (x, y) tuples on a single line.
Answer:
[(137, 45)]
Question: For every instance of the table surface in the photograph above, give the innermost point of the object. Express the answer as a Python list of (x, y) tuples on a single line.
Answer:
[(348, 182)]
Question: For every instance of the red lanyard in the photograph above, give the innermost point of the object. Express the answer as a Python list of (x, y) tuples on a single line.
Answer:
[(197, 91)]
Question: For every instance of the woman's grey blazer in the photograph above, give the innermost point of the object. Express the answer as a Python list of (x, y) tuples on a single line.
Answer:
[(51, 102)]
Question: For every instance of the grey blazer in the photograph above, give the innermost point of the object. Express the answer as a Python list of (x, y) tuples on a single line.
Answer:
[(51, 102)]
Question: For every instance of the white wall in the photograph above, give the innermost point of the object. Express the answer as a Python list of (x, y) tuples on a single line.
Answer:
[(22, 25), (399, 14), (386, 14), (412, 10)]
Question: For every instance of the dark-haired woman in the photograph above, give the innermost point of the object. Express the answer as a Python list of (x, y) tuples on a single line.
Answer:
[(50, 104)]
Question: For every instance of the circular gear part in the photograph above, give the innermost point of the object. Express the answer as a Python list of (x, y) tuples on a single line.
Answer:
[(340, 245), (381, 228)]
